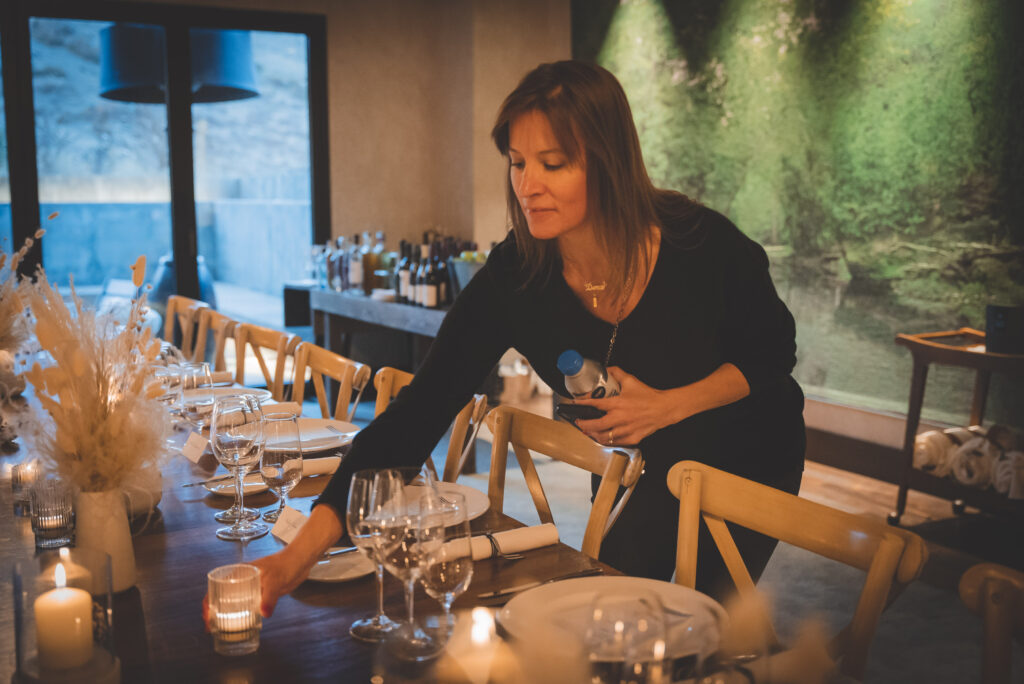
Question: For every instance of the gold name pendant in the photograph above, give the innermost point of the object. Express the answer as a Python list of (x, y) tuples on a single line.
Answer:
[(590, 287)]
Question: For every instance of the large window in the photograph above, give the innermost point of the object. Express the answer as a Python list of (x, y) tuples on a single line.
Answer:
[(195, 136), (5, 177)]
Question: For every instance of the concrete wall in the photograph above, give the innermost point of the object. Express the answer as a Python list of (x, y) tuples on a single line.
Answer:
[(413, 89)]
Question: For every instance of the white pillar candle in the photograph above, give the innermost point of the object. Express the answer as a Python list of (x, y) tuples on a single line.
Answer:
[(63, 625)]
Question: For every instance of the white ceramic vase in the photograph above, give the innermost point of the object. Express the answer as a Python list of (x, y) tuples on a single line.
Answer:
[(101, 523)]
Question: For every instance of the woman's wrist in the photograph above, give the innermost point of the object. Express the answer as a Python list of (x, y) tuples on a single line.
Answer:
[(319, 532)]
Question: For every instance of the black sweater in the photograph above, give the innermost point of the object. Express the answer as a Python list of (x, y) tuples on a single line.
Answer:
[(710, 300)]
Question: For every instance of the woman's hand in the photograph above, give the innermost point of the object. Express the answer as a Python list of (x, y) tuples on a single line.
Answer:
[(636, 412), (639, 409)]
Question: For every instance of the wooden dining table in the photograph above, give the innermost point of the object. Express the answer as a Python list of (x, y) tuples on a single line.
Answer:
[(158, 629)]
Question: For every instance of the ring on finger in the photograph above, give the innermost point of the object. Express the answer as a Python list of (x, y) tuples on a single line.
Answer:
[(611, 436)]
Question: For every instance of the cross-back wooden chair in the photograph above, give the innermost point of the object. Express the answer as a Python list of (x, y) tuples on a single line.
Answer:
[(890, 556), (388, 381), (267, 346), (996, 593), (222, 328), (529, 432), (352, 378), (182, 314)]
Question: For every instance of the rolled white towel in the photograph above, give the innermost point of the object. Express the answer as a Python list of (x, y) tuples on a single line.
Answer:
[(320, 466), (931, 452), (973, 462), (513, 541)]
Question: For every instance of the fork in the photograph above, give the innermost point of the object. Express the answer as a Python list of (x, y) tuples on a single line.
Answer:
[(497, 552)]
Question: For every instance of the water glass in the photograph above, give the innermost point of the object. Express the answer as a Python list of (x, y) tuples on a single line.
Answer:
[(281, 463), (237, 438), (197, 394), (53, 515), (376, 503), (234, 608), (23, 476), (626, 639)]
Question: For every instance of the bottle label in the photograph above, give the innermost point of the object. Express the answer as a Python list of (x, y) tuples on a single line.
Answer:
[(430, 296), (355, 272), (403, 284)]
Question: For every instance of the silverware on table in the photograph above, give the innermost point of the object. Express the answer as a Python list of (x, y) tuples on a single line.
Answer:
[(214, 480), (496, 551), (327, 555), (509, 591)]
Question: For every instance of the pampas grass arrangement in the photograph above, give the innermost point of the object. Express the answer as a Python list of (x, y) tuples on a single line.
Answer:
[(103, 425), (13, 331)]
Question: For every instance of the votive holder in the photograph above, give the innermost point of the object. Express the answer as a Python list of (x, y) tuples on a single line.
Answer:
[(53, 514), (23, 476), (234, 608), (63, 618)]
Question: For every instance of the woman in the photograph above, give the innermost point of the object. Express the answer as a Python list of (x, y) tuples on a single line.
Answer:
[(669, 294)]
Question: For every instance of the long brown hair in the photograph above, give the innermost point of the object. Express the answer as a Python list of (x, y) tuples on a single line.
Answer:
[(592, 121)]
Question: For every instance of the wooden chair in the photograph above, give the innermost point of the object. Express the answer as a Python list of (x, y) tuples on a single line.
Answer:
[(996, 593), (223, 327), (352, 378), (185, 313), (529, 432), (891, 557), (267, 346), (388, 381)]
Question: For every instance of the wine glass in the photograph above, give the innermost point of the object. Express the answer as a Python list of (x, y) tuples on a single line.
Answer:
[(281, 463), (197, 394), (626, 639), (446, 569), (236, 433), (417, 533), (376, 503)]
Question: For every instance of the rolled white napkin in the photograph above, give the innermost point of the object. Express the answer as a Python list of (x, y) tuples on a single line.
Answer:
[(222, 376), (320, 466), (513, 541), (1008, 475), (972, 463), (932, 451)]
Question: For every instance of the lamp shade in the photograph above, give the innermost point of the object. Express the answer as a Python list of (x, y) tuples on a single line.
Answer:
[(132, 64)]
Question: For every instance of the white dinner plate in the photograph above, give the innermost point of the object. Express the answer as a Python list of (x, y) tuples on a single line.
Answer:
[(565, 607), (218, 392), (477, 502), (321, 434), (252, 484), (347, 566)]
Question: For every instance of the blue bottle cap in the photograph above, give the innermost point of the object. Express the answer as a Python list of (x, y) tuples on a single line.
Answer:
[(570, 362)]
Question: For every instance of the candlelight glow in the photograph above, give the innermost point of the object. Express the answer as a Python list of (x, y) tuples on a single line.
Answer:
[(483, 626), (60, 577)]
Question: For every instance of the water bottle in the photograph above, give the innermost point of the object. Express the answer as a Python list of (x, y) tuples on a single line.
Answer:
[(586, 377)]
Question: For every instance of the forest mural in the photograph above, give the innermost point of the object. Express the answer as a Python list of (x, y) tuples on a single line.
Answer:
[(874, 148)]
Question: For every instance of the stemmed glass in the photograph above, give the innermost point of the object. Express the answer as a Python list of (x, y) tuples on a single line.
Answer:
[(197, 394), (419, 533), (626, 639), (447, 569), (236, 433), (376, 504), (281, 464)]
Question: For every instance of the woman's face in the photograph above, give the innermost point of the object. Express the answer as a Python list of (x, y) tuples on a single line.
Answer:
[(551, 191)]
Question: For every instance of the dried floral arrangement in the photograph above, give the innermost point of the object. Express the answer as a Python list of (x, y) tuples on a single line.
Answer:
[(105, 425), (13, 331)]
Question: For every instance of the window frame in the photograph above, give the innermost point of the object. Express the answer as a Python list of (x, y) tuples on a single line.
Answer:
[(176, 20)]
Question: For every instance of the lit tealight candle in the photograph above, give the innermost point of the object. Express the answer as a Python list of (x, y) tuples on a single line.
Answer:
[(63, 625)]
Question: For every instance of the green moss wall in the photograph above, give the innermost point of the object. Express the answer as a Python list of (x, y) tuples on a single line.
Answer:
[(874, 148)]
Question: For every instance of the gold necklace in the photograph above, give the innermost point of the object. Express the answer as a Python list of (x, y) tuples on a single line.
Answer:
[(590, 287)]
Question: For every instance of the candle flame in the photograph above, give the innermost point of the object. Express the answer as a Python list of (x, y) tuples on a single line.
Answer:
[(483, 626), (65, 554), (60, 577)]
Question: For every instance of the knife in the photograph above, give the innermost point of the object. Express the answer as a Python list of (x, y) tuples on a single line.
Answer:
[(536, 583), (327, 555)]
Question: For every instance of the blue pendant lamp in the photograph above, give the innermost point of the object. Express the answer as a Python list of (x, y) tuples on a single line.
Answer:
[(132, 64)]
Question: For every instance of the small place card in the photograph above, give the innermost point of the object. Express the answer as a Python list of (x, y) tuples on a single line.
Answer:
[(194, 447), (288, 524)]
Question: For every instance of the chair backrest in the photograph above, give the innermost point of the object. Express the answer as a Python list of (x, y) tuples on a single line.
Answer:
[(529, 432), (184, 312), (389, 381), (223, 327), (352, 378), (996, 593), (891, 557), (267, 346)]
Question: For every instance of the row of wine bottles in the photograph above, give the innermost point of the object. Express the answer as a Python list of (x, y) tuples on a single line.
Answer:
[(418, 274)]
